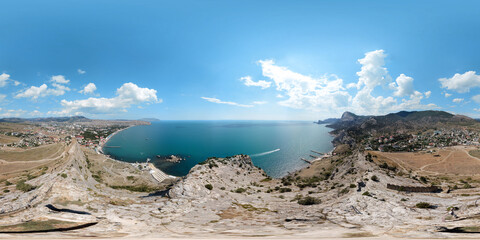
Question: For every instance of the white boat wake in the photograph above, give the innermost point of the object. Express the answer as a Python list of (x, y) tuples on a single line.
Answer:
[(265, 153)]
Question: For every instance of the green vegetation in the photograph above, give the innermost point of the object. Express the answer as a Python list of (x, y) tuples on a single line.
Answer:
[(352, 185), (240, 190), (308, 200), (423, 205), (64, 175), (7, 183), (130, 178), (209, 186), (366, 194), (25, 187), (374, 178)]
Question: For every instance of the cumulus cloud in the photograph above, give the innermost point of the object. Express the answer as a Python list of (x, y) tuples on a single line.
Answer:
[(461, 83), (127, 95), (59, 79), (373, 73), (447, 94), (403, 86), (89, 89), (428, 94), (249, 82), (42, 91), (306, 92), (327, 94), (457, 100), (216, 100), (80, 71)]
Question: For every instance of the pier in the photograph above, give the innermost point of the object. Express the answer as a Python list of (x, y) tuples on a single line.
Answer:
[(317, 152), (308, 161)]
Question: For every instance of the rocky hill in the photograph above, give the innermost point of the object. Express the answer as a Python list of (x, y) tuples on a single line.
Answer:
[(352, 127)]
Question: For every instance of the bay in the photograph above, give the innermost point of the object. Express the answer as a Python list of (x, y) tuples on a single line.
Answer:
[(275, 146)]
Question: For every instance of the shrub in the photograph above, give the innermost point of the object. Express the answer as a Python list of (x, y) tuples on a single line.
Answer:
[(423, 205), (130, 178), (374, 178), (7, 183), (353, 185), (25, 187), (366, 194), (423, 179), (209, 186), (222, 188), (283, 190), (240, 190), (64, 175), (308, 200)]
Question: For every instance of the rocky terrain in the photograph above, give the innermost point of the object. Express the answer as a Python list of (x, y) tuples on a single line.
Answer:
[(341, 196)]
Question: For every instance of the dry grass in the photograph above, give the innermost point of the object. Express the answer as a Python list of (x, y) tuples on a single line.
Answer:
[(453, 160), (39, 153)]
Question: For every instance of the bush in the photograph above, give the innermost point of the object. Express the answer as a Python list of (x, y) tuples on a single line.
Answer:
[(367, 194), (353, 185), (283, 190), (308, 200), (25, 187), (240, 190), (423, 205), (64, 175), (209, 186), (374, 178)]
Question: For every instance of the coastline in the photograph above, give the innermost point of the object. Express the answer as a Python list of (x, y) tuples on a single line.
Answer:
[(100, 149)]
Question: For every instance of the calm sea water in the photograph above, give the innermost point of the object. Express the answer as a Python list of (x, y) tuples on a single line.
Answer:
[(274, 146)]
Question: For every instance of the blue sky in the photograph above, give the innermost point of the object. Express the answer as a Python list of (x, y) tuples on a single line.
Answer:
[(286, 60)]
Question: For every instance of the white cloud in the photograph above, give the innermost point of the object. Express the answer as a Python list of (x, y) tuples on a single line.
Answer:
[(351, 85), (43, 91), (59, 79), (89, 89), (403, 86), (2, 97), (457, 100), (16, 83), (428, 94), (372, 73), (279, 95), (260, 102), (4, 79), (476, 98), (447, 94), (216, 100), (12, 113), (304, 92), (127, 95), (247, 80), (461, 83), (80, 71), (36, 113)]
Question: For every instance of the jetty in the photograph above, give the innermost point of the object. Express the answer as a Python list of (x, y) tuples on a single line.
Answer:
[(317, 152), (308, 161)]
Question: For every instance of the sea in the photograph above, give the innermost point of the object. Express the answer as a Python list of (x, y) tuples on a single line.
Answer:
[(275, 146)]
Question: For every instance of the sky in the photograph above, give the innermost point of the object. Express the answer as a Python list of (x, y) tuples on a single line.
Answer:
[(245, 60)]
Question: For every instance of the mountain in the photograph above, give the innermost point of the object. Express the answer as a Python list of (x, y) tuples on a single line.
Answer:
[(352, 127), (328, 121), (48, 119)]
